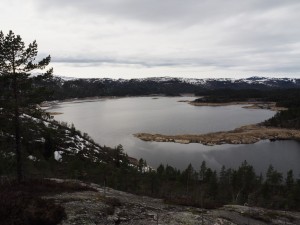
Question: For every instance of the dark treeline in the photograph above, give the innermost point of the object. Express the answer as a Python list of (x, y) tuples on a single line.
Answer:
[(205, 187), (202, 187), (287, 119), (289, 98), (283, 97), (232, 95)]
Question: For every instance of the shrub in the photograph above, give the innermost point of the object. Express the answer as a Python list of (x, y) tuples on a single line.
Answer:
[(21, 204), (21, 208)]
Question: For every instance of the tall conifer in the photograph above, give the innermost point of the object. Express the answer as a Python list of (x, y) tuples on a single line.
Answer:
[(19, 93)]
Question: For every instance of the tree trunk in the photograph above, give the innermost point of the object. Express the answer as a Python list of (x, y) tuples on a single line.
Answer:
[(18, 146), (17, 130)]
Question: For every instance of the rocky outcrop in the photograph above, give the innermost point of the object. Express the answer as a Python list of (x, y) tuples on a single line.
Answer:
[(244, 135), (108, 206)]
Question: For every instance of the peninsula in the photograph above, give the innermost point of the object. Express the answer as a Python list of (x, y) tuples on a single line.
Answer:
[(248, 134), (247, 105)]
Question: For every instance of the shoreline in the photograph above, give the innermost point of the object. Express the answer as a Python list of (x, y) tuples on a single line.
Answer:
[(48, 105), (95, 98), (248, 134)]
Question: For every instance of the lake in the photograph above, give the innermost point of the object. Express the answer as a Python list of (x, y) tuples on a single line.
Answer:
[(112, 121)]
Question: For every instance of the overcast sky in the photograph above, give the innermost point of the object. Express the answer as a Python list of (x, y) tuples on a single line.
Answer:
[(143, 38)]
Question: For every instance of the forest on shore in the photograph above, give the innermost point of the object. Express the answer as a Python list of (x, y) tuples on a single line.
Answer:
[(288, 98)]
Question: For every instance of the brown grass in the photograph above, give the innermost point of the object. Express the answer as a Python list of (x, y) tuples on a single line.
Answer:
[(248, 134)]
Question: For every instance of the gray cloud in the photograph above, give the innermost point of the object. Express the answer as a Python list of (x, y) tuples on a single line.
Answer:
[(117, 61), (167, 10), (265, 61), (248, 35)]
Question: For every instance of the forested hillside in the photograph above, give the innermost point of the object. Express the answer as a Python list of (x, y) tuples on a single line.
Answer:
[(286, 119), (81, 88), (289, 97)]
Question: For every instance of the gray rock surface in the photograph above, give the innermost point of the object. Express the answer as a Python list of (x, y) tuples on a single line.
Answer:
[(110, 207)]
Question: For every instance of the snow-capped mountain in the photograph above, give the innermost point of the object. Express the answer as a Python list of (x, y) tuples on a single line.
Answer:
[(91, 87), (253, 82)]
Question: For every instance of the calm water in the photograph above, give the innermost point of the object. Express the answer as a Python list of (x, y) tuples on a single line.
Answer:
[(113, 121)]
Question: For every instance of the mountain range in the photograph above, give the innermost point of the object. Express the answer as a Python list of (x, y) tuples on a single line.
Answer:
[(66, 87)]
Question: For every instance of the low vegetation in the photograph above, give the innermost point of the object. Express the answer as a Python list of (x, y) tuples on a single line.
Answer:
[(22, 208), (22, 203)]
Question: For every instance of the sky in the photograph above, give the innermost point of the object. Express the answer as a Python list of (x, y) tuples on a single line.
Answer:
[(150, 38)]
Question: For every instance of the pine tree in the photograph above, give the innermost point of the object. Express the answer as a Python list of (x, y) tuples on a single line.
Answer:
[(19, 90)]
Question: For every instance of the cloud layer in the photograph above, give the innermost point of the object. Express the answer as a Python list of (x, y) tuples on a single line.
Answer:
[(152, 38)]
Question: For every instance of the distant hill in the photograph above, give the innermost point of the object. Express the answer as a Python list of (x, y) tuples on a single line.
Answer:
[(78, 88)]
